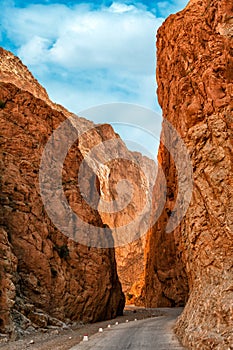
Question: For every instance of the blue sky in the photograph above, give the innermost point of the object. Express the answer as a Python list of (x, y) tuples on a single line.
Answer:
[(91, 53)]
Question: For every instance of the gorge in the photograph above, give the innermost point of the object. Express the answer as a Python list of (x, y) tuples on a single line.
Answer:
[(48, 278)]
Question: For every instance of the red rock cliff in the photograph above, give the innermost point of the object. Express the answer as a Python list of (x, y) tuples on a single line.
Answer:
[(195, 90), (45, 276), (130, 258)]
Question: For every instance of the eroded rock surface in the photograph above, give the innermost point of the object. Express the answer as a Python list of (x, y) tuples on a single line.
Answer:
[(48, 278), (130, 268), (130, 258), (195, 89), (45, 274)]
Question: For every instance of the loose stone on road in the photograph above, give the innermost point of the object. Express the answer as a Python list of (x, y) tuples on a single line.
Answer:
[(151, 334)]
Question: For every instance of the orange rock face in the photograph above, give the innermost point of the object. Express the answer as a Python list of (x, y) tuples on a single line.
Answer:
[(52, 273), (46, 278), (195, 89), (130, 258), (130, 268), (103, 200)]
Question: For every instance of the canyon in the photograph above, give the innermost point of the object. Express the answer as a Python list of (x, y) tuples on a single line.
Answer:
[(185, 258), (49, 279)]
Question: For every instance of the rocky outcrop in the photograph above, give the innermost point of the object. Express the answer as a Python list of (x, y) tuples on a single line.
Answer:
[(8, 269), (43, 272), (195, 90), (46, 278), (11, 68)]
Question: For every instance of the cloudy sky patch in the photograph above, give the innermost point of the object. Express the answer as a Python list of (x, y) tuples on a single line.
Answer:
[(90, 53)]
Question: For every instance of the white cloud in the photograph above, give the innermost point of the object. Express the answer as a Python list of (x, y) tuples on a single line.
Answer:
[(34, 50), (120, 37), (121, 8), (87, 57), (120, 40)]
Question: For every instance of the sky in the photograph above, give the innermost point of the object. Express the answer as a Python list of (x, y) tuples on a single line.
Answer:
[(94, 53)]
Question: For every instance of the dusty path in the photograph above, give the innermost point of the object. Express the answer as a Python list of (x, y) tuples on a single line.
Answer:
[(64, 339), (149, 334)]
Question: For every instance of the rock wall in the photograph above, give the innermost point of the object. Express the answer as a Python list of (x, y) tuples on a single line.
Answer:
[(130, 258), (195, 90), (130, 268), (8, 269), (47, 277), (44, 274)]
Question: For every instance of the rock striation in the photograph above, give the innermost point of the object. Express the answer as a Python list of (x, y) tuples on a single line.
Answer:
[(195, 90)]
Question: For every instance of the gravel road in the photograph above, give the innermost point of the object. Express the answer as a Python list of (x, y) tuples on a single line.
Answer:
[(64, 339), (149, 334)]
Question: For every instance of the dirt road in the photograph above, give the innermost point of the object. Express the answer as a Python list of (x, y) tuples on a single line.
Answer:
[(149, 334)]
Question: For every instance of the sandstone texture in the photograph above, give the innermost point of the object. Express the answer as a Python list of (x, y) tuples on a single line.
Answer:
[(130, 257), (45, 275), (125, 184), (103, 200), (11, 67), (46, 278), (195, 90), (130, 268)]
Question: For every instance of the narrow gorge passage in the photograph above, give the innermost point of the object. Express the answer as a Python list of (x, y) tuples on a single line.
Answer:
[(59, 283)]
